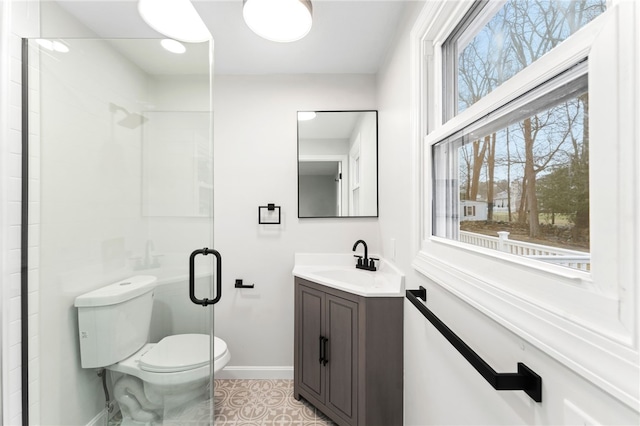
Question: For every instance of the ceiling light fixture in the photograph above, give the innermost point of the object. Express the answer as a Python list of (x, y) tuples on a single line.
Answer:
[(306, 115), (173, 46), (278, 20), (176, 19), (53, 45)]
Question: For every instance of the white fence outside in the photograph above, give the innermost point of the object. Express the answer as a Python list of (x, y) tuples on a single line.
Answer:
[(571, 258)]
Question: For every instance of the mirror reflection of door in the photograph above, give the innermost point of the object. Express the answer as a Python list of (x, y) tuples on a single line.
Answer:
[(320, 188), (354, 176)]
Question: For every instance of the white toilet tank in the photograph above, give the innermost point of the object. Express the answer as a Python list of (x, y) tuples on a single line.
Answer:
[(113, 321)]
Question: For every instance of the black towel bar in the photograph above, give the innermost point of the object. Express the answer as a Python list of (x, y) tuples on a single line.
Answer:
[(525, 379)]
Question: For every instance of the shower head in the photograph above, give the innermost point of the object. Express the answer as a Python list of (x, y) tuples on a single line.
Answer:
[(131, 120)]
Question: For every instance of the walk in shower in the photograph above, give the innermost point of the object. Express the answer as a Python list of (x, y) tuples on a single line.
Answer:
[(120, 184)]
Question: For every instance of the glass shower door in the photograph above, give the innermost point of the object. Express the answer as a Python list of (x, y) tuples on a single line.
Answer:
[(121, 185)]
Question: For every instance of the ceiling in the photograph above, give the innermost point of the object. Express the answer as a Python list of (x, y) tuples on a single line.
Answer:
[(348, 36), (330, 125)]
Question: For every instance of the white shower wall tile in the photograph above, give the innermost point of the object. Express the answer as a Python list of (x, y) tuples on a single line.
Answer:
[(34, 257), (34, 100), (14, 333), (15, 46), (34, 235), (33, 276), (34, 117), (34, 165), (34, 413), (34, 150), (15, 70), (34, 325), (14, 216), (14, 285), (34, 348), (34, 239), (15, 117), (14, 168), (14, 309), (14, 190), (15, 379), (13, 236), (14, 145), (13, 260), (15, 409), (17, 419), (34, 190), (24, 20), (15, 361), (33, 303), (34, 394), (15, 91), (34, 212), (34, 370)]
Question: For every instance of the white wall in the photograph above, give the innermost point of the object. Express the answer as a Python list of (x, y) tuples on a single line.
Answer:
[(440, 386), (255, 163)]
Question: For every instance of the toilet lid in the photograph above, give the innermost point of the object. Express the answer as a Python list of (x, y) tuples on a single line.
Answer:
[(181, 352)]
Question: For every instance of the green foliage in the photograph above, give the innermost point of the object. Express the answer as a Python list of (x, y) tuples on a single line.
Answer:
[(565, 190)]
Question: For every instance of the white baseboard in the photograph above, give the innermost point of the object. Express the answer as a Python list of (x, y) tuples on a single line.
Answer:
[(255, 372)]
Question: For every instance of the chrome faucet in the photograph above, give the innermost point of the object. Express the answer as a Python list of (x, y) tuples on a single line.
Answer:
[(365, 262)]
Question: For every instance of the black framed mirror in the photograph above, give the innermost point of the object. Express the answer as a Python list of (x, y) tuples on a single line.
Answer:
[(337, 164)]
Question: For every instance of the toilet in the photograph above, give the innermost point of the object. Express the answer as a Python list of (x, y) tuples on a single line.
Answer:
[(149, 379)]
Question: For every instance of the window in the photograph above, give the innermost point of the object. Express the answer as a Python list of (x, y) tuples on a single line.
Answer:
[(492, 44), (539, 161), (562, 121), (536, 156)]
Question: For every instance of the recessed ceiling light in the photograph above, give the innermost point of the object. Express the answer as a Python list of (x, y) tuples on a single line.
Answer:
[(53, 45), (176, 19), (59, 46), (306, 115), (278, 20), (173, 46)]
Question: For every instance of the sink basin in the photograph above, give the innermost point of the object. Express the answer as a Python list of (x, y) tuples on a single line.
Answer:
[(338, 271)]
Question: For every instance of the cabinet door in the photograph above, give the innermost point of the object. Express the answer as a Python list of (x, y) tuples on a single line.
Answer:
[(342, 349), (310, 332)]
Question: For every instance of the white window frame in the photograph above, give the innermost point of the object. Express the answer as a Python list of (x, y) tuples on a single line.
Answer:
[(586, 321)]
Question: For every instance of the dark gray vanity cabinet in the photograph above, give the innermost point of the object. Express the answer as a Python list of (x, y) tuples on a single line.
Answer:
[(348, 354)]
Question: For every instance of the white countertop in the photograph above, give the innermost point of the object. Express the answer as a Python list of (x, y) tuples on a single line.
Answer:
[(339, 271)]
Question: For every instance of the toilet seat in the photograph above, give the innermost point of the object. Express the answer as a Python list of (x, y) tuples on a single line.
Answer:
[(177, 353), (181, 352), (175, 364)]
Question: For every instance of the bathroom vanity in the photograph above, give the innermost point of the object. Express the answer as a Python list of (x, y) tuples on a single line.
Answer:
[(348, 343)]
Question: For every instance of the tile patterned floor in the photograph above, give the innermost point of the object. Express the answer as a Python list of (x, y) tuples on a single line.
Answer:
[(263, 403), (249, 403)]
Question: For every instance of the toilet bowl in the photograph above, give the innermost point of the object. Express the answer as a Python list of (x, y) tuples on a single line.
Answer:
[(167, 376), (150, 380)]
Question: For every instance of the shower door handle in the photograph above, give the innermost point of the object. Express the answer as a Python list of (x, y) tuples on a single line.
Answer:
[(192, 277)]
